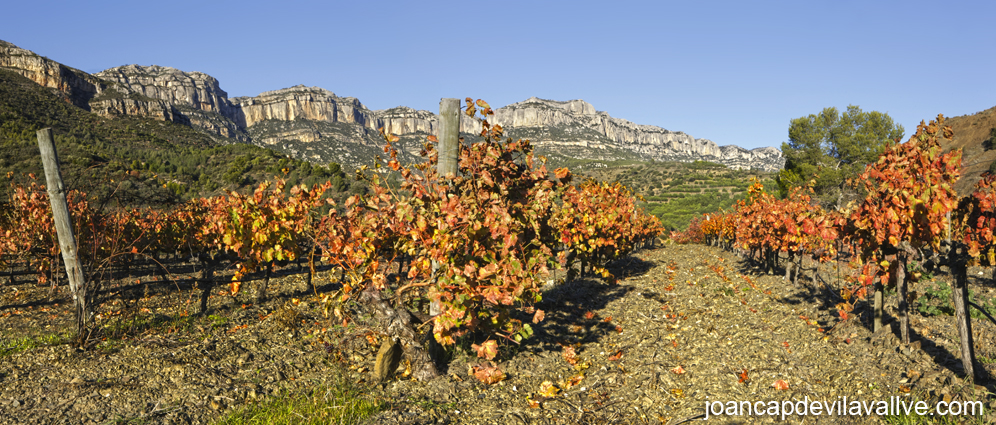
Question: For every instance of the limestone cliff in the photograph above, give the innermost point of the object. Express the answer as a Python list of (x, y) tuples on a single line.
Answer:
[(766, 158), (604, 129), (78, 86), (302, 103), (404, 120), (314, 123), (191, 98), (577, 123), (132, 106)]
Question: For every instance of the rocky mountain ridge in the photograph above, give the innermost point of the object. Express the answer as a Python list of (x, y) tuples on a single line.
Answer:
[(78, 86), (597, 128), (191, 98), (313, 123)]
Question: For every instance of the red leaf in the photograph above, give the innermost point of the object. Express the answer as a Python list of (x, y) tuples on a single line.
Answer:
[(489, 375), (570, 356), (487, 350), (562, 173), (538, 316)]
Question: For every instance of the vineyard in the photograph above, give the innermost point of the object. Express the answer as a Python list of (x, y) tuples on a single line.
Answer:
[(505, 293), (476, 245), (910, 216)]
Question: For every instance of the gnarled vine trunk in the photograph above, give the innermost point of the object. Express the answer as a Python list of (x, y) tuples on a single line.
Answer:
[(400, 325)]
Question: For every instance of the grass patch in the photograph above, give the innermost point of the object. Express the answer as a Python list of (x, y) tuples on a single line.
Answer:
[(935, 300), (17, 345), (138, 324), (337, 402)]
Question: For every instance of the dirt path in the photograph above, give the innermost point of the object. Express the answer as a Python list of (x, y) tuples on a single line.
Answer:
[(685, 325), (690, 307)]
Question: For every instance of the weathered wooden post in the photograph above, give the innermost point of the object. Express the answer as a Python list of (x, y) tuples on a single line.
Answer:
[(449, 137), (878, 305), (958, 259), (64, 229), (448, 134)]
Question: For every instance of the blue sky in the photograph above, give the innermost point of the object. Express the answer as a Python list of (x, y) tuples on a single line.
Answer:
[(735, 72)]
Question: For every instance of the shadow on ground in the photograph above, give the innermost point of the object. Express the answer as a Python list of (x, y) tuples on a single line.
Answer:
[(566, 306)]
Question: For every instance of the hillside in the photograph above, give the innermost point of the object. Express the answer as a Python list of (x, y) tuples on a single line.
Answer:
[(970, 134), (151, 161), (679, 191)]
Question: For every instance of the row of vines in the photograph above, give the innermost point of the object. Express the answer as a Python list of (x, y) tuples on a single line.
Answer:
[(477, 246), (911, 212)]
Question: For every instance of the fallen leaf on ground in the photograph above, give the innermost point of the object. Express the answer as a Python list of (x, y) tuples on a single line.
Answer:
[(548, 389), (488, 374)]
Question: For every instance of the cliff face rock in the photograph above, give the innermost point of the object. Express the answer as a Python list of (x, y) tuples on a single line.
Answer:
[(766, 158), (404, 120), (191, 98), (312, 122), (302, 103), (572, 128), (577, 123), (149, 108), (315, 124), (78, 86), (646, 140), (534, 112), (193, 89)]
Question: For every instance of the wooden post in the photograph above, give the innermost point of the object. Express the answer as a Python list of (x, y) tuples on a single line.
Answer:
[(449, 151), (904, 306), (64, 229), (449, 134), (206, 283), (963, 321), (878, 306), (959, 296), (958, 263)]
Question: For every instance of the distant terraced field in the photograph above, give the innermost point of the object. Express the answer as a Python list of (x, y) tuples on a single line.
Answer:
[(678, 191)]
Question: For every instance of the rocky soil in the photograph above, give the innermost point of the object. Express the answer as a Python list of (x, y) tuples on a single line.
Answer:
[(685, 324)]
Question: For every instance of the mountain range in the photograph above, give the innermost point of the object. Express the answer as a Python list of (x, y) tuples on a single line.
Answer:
[(315, 124)]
